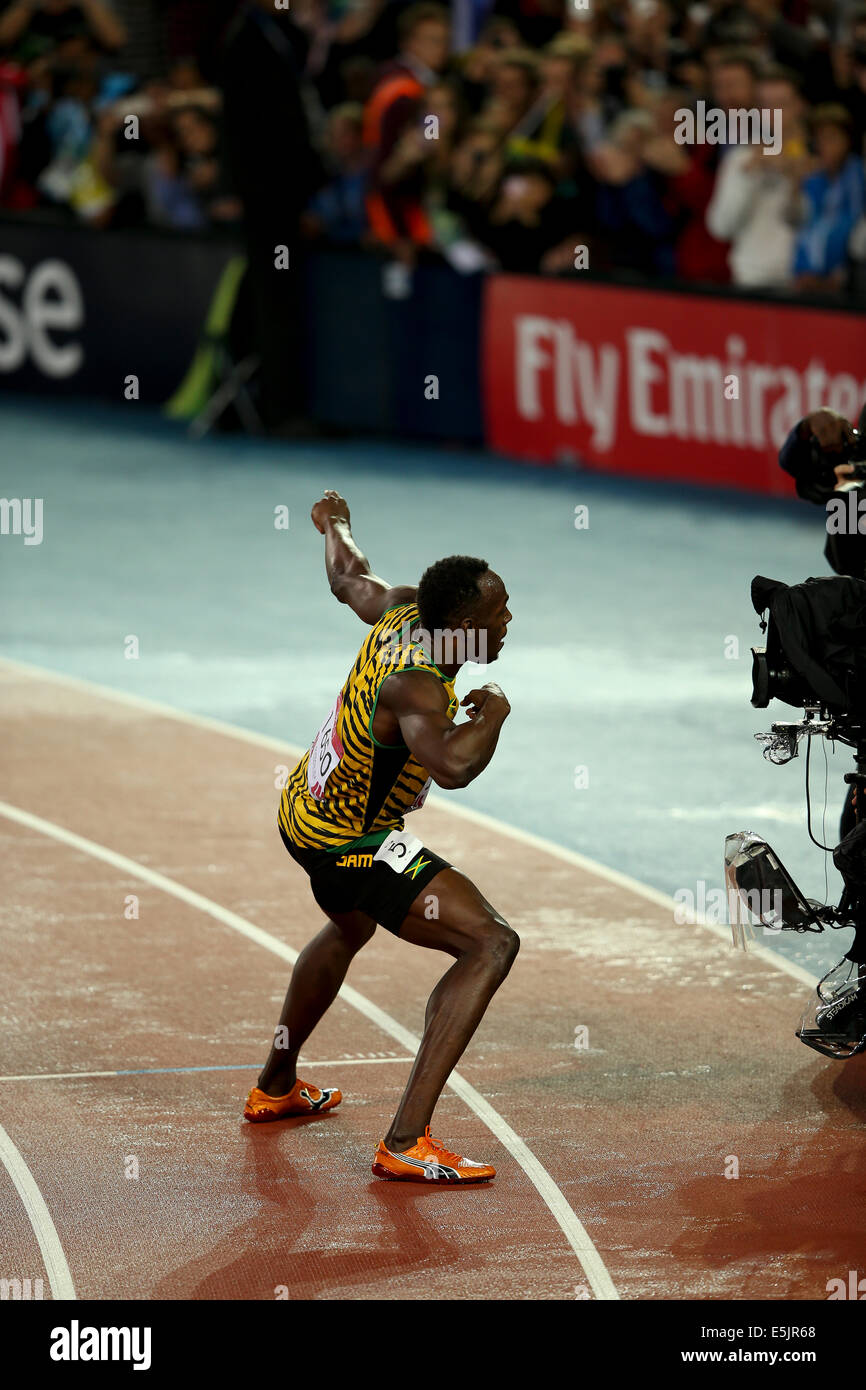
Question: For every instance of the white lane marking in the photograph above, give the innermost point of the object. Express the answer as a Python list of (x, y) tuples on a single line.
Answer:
[(44, 1229), (593, 1266), (774, 959), (165, 1071)]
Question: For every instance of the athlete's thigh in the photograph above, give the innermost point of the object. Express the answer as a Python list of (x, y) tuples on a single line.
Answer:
[(450, 914), (355, 927)]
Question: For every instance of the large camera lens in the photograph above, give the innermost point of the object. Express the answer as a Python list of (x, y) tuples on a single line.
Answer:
[(760, 678)]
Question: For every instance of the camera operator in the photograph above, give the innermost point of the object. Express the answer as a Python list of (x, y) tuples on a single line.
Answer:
[(825, 454), (816, 456)]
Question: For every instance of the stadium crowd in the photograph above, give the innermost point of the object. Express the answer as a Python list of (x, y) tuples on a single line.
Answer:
[(491, 133)]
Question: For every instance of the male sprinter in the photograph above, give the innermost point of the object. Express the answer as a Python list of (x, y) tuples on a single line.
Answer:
[(389, 734)]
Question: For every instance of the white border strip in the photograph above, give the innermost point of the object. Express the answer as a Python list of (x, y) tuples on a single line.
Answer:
[(33, 1202), (591, 1262), (774, 959)]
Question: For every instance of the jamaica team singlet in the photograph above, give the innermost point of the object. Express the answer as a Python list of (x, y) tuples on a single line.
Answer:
[(348, 787)]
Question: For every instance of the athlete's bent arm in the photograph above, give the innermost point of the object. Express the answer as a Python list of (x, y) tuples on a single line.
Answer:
[(349, 574), (453, 754)]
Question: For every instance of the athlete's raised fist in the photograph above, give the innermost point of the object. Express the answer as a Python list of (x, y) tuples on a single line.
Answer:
[(331, 507), (489, 698)]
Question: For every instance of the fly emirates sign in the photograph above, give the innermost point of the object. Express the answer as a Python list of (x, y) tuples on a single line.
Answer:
[(658, 384)]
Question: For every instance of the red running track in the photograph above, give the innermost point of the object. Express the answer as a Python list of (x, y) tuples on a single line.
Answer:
[(130, 1042)]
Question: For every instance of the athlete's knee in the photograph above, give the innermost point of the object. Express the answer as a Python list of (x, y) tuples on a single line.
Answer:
[(507, 945), (497, 942)]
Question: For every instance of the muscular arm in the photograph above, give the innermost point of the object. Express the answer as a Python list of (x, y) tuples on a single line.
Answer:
[(453, 754), (349, 574)]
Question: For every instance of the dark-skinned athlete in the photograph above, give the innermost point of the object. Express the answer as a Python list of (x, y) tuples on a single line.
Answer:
[(390, 733)]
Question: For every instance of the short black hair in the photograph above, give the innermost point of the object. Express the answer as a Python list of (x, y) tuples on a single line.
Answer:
[(448, 590)]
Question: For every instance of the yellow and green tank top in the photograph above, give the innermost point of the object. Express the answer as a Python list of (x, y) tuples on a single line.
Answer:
[(348, 787)]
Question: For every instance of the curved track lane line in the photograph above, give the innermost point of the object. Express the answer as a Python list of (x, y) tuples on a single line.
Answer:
[(56, 1267), (774, 959), (590, 1260)]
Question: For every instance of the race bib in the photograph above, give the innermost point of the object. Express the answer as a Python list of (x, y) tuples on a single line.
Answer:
[(421, 797), (398, 850), (326, 752)]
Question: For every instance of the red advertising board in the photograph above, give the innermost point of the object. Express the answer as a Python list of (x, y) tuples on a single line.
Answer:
[(657, 384)]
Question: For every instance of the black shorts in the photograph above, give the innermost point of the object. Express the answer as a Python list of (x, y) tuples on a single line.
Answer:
[(353, 882)]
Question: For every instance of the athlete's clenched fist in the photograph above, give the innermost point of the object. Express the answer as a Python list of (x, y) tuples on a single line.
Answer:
[(331, 507), (489, 698)]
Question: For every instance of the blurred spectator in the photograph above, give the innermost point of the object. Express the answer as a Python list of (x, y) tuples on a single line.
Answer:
[(32, 28), (647, 26), (494, 131), (476, 167), (335, 29), (734, 79), (751, 202), (544, 130), (469, 18), (12, 79), (357, 78), (526, 219), (514, 86), (171, 176), (338, 210), (445, 107), (591, 102), (849, 61), (196, 140), (394, 133), (477, 65), (829, 204), (68, 130), (537, 20), (700, 254), (474, 176), (635, 226)]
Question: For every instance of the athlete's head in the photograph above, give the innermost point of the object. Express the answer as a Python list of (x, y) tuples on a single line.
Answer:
[(464, 608)]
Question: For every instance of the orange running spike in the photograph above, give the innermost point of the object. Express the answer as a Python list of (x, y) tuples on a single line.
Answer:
[(429, 1161), (302, 1099)]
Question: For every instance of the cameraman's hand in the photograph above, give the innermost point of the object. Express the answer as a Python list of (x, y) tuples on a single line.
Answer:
[(831, 429), (843, 472)]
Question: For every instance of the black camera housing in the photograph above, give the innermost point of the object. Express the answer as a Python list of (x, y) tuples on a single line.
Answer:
[(815, 653)]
